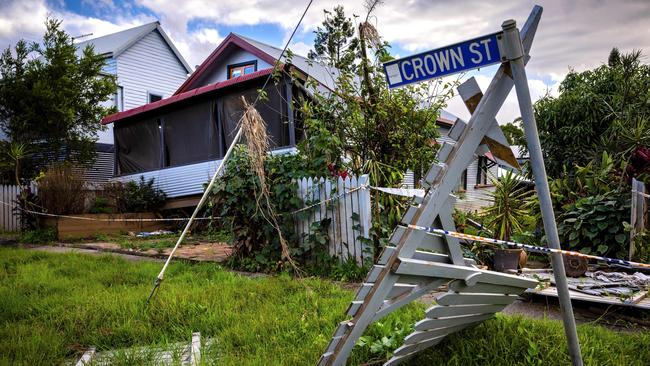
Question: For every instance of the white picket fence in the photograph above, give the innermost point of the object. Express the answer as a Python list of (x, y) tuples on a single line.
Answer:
[(9, 219), (347, 203)]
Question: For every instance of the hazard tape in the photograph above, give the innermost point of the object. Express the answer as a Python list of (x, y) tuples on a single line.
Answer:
[(529, 247)]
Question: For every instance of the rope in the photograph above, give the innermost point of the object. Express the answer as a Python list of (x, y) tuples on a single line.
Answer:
[(329, 199), (528, 247), (104, 220)]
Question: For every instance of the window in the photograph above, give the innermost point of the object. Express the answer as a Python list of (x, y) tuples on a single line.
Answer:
[(154, 97), (244, 68), (119, 99), (462, 185)]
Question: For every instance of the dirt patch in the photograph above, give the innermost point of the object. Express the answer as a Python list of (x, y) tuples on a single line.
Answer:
[(200, 252)]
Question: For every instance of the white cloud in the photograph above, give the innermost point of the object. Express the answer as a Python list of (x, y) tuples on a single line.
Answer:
[(576, 33)]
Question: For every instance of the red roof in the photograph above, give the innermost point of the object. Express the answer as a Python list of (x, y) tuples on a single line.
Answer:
[(209, 62), (184, 96)]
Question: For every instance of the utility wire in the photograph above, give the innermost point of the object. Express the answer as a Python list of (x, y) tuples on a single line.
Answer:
[(223, 162)]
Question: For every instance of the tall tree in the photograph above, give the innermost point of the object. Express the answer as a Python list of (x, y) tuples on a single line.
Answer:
[(514, 133), (51, 95), (335, 43)]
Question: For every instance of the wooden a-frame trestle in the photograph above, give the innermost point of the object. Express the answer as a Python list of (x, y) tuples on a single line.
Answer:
[(416, 262)]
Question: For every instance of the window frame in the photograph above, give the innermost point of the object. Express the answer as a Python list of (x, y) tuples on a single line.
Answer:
[(241, 65), (154, 94)]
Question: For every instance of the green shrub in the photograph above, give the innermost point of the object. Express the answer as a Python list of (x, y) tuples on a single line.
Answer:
[(38, 236), (142, 196), (594, 225)]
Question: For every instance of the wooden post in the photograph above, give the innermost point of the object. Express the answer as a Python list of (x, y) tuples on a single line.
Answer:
[(637, 213)]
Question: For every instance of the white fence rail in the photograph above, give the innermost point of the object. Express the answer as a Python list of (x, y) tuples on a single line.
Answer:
[(9, 218), (346, 202)]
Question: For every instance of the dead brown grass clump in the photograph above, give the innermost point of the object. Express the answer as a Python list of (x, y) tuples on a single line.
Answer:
[(61, 190)]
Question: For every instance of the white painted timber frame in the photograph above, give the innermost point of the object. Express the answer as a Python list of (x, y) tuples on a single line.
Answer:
[(416, 263)]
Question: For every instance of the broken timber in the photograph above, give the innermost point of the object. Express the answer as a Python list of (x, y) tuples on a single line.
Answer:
[(416, 263)]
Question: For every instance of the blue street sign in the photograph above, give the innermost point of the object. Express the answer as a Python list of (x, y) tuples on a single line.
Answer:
[(447, 60)]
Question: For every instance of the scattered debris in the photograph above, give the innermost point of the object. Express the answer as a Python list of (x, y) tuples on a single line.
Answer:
[(146, 234)]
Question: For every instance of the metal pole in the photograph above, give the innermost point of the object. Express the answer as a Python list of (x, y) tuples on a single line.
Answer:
[(515, 53)]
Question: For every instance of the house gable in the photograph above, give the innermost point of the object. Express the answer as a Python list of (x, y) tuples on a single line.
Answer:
[(149, 66), (233, 56)]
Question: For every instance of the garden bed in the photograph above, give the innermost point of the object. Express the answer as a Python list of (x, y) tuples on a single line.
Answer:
[(97, 224)]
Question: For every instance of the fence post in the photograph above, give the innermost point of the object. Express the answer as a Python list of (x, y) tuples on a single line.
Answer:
[(365, 214), (637, 213)]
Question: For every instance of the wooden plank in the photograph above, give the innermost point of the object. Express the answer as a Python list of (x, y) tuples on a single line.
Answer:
[(419, 254), (87, 357), (420, 336), (457, 129), (441, 270), (438, 311), (428, 323), (356, 224), (460, 286), (424, 240), (349, 224), (433, 174), (452, 298), (366, 216), (393, 304), (447, 223), (407, 349), (195, 349), (445, 151), (340, 207)]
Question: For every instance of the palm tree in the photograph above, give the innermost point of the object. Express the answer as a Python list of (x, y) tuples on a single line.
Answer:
[(507, 212)]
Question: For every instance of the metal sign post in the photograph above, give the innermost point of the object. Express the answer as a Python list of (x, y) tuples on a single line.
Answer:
[(515, 55), (417, 262)]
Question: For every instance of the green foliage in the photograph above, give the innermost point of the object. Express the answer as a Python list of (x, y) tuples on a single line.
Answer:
[(38, 236), (384, 337), (101, 206), (142, 196), (50, 98), (514, 133), (596, 178), (272, 320), (256, 246), (508, 211), (380, 132), (594, 225), (335, 43), (604, 109)]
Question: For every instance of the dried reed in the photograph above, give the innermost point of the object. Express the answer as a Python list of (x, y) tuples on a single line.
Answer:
[(254, 131)]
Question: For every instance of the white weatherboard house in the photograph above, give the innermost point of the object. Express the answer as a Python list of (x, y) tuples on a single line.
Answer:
[(476, 181), (148, 68), (180, 140)]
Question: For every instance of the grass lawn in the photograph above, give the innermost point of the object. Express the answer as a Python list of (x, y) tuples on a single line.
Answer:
[(53, 306)]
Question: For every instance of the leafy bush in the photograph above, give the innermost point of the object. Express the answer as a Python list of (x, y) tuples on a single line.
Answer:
[(61, 190), (101, 205), (594, 225), (142, 196), (38, 236), (256, 245)]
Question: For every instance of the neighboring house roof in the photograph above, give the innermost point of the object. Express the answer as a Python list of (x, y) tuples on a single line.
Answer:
[(446, 119), (185, 96), (115, 43), (325, 75)]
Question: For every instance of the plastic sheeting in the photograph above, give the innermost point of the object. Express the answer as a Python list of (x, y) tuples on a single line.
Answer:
[(272, 110), (137, 146), (191, 135)]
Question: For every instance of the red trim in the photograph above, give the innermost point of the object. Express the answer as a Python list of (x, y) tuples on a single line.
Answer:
[(209, 62), (184, 96)]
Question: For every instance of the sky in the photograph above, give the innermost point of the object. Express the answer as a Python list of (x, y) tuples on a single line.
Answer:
[(572, 34)]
